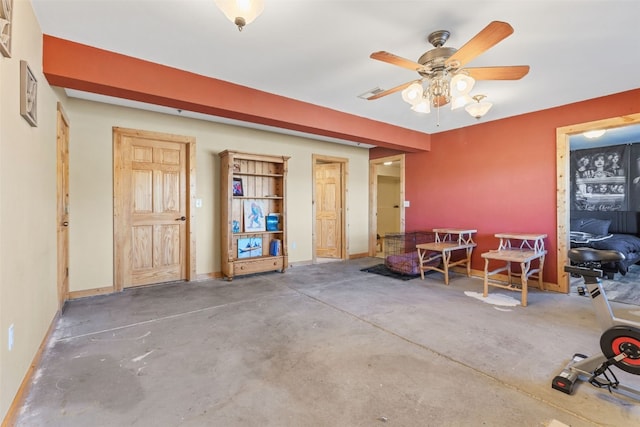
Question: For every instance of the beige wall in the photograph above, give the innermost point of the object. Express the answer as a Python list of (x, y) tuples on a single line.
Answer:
[(91, 207), (28, 298), (27, 208)]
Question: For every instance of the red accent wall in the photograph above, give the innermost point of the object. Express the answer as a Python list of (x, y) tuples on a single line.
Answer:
[(500, 176)]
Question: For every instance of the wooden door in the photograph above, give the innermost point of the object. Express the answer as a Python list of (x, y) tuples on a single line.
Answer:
[(328, 181), (62, 184), (152, 214)]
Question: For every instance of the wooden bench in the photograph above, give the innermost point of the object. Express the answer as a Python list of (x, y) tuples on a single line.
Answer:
[(447, 240), (530, 248)]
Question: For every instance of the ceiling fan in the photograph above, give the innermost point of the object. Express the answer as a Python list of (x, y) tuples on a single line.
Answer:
[(442, 69)]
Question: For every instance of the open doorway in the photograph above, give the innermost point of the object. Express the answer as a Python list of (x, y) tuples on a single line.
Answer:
[(563, 185), (386, 201)]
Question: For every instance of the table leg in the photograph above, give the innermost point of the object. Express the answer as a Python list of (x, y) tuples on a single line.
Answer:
[(446, 257), (540, 281), (421, 259), (469, 250), (524, 270), (486, 278)]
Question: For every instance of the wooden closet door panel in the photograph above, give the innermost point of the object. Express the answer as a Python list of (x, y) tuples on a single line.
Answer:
[(158, 203)]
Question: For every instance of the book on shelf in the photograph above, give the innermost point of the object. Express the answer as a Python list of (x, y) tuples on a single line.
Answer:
[(275, 247), (273, 221)]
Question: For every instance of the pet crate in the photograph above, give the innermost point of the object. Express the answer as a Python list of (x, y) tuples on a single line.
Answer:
[(400, 253)]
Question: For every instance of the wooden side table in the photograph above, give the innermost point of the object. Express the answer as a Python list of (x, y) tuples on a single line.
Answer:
[(447, 240), (521, 248)]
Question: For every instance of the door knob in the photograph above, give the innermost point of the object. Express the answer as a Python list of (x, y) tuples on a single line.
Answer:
[(182, 218), (66, 223)]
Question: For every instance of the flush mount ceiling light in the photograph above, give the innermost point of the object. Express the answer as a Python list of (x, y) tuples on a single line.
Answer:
[(241, 12), (591, 134), (443, 79), (478, 108)]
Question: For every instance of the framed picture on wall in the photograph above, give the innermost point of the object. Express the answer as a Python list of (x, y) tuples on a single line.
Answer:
[(28, 94), (5, 27), (600, 178)]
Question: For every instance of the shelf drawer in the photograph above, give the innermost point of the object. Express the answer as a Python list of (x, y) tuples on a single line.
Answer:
[(258, 265)]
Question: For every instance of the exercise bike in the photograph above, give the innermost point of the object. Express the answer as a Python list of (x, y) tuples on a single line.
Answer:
[(620, 341)]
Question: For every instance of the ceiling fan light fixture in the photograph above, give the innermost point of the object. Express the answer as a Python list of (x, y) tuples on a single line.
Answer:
[(412, 94), (479, 108), (460, 101), (241, 12), (443, 79), (440, 90), (422, 106), (461, 84)]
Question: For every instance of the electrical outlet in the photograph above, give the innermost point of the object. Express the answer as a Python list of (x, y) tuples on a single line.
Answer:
[(10, 339), (293, 245), (198, 203), (407, 204)]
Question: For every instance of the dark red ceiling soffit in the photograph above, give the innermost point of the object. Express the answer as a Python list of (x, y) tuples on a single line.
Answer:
[(76, 66)]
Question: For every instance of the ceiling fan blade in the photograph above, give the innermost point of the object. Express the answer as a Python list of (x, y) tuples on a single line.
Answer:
[(513, 72), (493, 33), (392, 90), (396, 60)]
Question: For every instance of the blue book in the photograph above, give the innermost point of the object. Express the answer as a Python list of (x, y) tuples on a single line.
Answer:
[(275, 247), (272, 222)]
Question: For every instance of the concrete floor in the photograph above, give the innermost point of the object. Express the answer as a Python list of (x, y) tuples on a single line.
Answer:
[(321, 345)]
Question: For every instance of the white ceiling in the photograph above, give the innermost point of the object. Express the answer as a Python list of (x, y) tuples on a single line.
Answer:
[(317, 51)]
